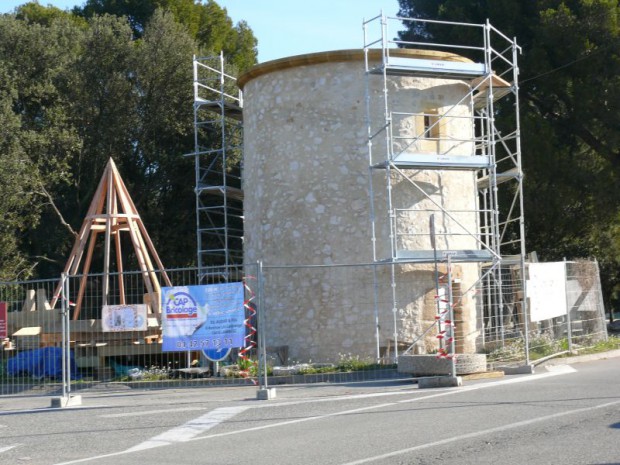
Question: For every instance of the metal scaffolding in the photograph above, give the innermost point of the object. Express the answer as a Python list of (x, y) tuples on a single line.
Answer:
[(493, 156), (218, 137)]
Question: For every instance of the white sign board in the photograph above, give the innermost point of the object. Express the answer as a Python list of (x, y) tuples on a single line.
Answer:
[(116, 318), (546, 290)]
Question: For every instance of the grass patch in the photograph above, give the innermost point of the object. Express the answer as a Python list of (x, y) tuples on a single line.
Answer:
[(544, 345), (612, 343)]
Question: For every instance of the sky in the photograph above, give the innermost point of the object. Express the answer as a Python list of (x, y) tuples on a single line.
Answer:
[(287, 27)]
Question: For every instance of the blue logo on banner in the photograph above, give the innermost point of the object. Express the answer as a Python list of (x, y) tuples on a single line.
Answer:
[(216, 355)]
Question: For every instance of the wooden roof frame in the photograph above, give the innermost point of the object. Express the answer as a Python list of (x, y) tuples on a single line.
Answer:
[(111, 212)]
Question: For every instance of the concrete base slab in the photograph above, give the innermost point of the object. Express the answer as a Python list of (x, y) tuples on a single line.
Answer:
[(485, 375), (520, 370), (66, 401), (440, 381), (266, 394), (430, 365)]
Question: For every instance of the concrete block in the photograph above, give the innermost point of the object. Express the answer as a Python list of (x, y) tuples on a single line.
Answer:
[(266, 394), (440, 381), (518, 370), (428, 365), (66, 401)]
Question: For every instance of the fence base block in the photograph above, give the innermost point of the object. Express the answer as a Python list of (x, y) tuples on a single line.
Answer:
[(66, 401), (266, 394), (440, 381), (520, 370)]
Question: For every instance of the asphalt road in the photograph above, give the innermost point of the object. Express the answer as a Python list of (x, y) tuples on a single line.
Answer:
[(561, 414)]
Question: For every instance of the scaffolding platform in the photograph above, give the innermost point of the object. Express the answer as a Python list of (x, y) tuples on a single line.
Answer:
[(402, 66), (488, 87), (229, 110), (500, 178), (457, 256), (408, 160), (230, 192)]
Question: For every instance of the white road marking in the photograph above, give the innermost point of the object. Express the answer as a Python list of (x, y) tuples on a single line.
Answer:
[(183, 433), (6, 448), (437, 393), (190, 429), (476, 434), (560, 369), (205, 423)]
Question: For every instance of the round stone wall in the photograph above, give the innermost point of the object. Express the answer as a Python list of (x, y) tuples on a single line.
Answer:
[(307, 202)]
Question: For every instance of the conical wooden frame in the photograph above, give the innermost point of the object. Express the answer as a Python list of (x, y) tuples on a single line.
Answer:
[(111, 212)]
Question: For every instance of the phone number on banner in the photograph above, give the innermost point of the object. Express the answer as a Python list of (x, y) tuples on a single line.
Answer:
[(206, 343)]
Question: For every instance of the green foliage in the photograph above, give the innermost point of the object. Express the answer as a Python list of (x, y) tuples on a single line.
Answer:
[(512, 350), (34, 134), (347, 363), (207, 23), (544, 344), (570, 126), (248, 365), (540, 345), (33, 12), (152, 373), (612, 343), (78, 88)]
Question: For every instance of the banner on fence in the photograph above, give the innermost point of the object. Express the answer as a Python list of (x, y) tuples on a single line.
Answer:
[(3, 321), (118, 318), (203, 317), (546, 289)]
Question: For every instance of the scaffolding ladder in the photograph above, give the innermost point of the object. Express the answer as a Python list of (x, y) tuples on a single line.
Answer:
[(218, 138)]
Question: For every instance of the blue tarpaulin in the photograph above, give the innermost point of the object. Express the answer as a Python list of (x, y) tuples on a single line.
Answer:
[(40, 363)]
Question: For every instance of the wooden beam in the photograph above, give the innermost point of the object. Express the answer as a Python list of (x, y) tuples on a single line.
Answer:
[(111, 212)]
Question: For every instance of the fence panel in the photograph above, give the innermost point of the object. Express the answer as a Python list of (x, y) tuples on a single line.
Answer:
[(357, 319), (502, 316), (586, 309), (565, 313), (320, 321), (102, 353), (317, 323), (31, 334), (112, 354)]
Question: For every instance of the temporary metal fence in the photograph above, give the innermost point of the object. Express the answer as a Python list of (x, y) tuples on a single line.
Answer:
[(32, 359), (328, 323), (565, 314), (30, 324), (331, 323)]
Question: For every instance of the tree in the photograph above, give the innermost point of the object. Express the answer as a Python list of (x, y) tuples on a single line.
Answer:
[(39, 142), (164, 133), (569, 90), (76, 90), (131, 100), (206, 23), (33, 12), (13, 198)]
